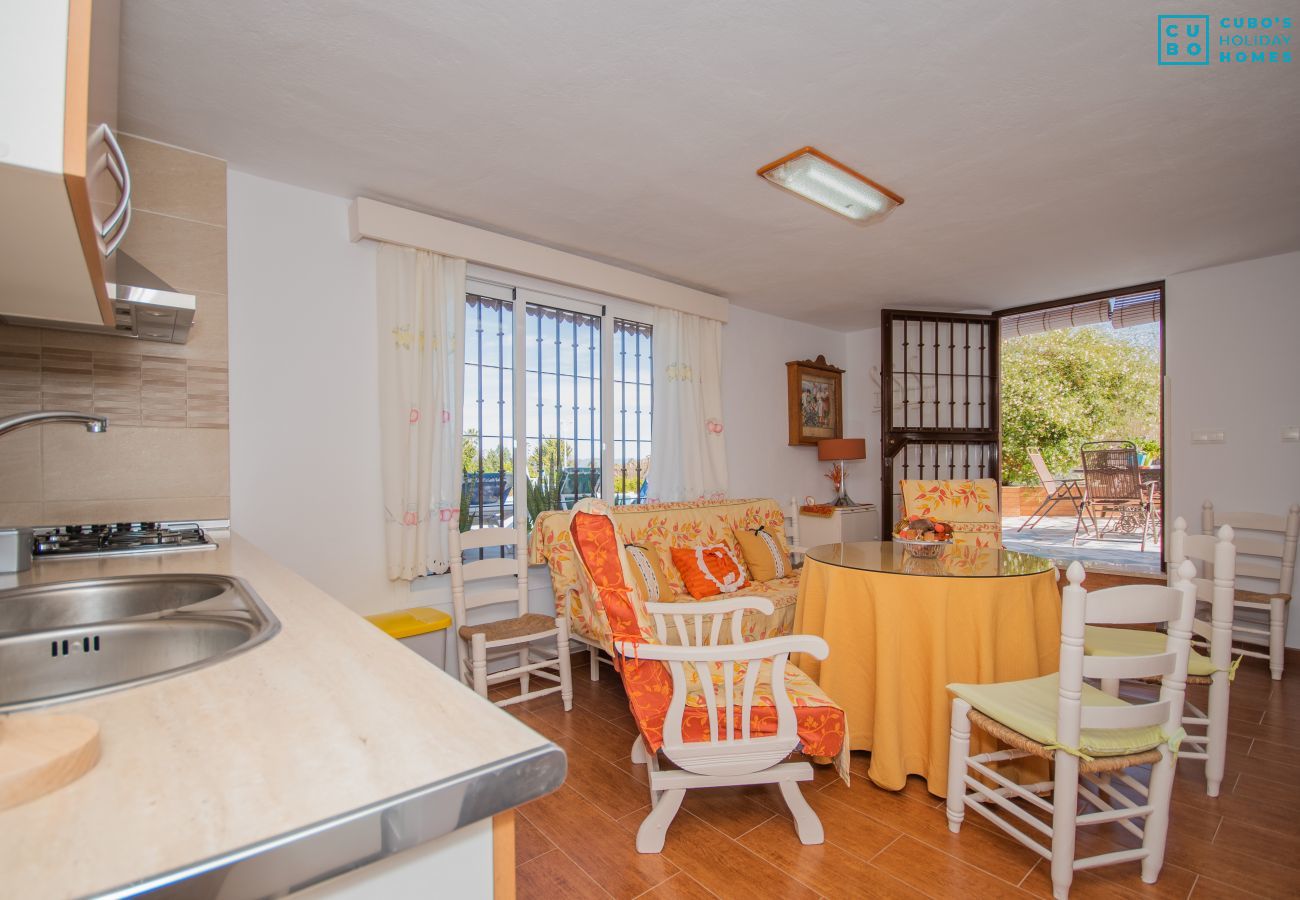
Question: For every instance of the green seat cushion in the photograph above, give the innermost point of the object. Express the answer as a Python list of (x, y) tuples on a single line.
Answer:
[(1099, 641), (1029, 707)]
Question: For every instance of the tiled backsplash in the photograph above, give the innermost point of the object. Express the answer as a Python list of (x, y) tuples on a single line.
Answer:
[(130, 388), (166, 454)]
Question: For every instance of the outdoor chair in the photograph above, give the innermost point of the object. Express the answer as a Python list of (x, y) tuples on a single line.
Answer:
[(1113, 488), (1064, 490)]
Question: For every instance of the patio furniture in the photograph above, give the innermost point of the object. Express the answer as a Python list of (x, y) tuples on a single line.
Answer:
[(724, 711), (1207, 736), (1269, 544), (1091, 736), (1113, 488), (1062, 490)]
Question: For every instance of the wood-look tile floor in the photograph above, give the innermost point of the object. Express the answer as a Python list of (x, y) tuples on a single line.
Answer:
[(738, 842)]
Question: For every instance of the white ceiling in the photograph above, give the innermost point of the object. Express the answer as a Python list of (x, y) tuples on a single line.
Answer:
[(1041, 151)]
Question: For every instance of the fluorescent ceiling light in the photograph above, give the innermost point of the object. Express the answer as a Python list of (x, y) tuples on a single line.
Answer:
[(815, 176)]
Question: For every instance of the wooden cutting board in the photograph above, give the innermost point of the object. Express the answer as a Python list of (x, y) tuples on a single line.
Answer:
[(41, 752)]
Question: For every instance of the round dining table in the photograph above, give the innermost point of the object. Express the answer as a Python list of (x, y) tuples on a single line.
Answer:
[(901, 628)]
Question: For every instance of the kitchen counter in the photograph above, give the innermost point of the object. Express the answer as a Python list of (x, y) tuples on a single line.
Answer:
[(330, 722)]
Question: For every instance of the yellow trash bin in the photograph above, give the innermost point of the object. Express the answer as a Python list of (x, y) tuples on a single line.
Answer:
[(421, 628)]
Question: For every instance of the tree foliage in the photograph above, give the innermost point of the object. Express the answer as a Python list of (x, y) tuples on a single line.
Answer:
[(1068, 386)]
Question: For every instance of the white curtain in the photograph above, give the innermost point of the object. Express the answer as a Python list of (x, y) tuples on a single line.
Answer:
[(690, 451), (421, 365)]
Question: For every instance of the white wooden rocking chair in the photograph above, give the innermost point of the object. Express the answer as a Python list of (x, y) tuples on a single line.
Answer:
[(734, 711)]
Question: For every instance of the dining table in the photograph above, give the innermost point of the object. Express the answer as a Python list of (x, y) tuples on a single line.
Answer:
[(902, 625)]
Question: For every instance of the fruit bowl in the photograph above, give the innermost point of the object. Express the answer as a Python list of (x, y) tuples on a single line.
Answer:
[(923, 549), (923, 538)]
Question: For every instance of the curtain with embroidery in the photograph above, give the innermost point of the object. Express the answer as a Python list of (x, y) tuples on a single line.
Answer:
[(690, 452), (421, 361)]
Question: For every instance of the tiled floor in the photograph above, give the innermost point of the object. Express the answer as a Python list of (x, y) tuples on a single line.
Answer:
[(1053, 537), (739, 842)]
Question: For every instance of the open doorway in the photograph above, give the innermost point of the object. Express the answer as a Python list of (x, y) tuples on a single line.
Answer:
[(1082, 446)]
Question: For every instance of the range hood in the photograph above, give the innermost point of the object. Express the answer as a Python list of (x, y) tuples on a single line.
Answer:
[(144, 307)]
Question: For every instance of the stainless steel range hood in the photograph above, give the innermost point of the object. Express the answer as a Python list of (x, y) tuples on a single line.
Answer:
[(144, 307)]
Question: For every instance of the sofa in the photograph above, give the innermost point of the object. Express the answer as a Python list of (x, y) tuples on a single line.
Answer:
[(663, 526)]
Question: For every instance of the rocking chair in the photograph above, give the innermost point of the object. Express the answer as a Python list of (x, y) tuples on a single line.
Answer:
[(725, 714)]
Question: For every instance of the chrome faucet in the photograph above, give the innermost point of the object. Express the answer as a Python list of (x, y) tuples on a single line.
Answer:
[(16, 543), (94, 424)]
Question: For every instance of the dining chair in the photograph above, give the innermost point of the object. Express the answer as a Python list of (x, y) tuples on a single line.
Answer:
[(971, 506), (797, 549), (1058, 491), (1112, 485), (1215, 559), (723, 711), (1090, 736), (1269, 544), (518, 637)]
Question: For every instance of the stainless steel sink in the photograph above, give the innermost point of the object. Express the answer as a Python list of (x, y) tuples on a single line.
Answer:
[(74, 639)]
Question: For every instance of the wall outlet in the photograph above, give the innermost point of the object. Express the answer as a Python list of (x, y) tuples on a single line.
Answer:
[(1207, 436), (1291, 433)]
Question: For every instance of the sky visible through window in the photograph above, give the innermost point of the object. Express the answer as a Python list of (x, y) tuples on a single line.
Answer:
[(562, 386)]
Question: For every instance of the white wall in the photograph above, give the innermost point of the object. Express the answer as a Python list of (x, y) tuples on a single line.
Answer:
[(760, 462), (1231, 333), (304, 431)]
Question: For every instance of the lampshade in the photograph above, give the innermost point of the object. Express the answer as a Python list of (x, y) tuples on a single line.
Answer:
[(836, 449)]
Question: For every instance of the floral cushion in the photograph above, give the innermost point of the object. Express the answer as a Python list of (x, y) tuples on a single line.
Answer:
[(663, 526), (821, 724), (971, 507)]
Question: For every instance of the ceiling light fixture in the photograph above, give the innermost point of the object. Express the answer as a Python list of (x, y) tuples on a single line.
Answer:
[(815, 176)]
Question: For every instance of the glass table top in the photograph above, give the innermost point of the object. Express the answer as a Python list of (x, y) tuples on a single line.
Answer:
[(954, 561)]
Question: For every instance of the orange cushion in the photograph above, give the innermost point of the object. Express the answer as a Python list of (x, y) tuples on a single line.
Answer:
[(707, 571)]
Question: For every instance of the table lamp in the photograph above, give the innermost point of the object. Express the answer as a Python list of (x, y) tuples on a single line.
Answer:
[(839, 451)]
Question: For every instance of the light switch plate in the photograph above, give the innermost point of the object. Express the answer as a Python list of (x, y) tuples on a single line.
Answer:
[(1291, 433), (1207, 436)]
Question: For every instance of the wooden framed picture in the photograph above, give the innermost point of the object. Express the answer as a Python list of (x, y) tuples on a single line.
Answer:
[(816, 401)]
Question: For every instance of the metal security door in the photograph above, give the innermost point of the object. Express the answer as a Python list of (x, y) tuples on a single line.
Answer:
[(939, 412)]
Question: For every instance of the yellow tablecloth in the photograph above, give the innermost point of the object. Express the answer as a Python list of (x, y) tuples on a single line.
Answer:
[(896, 641)]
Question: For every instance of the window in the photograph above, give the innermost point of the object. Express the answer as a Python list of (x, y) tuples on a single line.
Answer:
[(633, 400), (487, 438), (578, 418)]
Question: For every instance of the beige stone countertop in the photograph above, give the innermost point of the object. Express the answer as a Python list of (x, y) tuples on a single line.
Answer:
[(328, 716)]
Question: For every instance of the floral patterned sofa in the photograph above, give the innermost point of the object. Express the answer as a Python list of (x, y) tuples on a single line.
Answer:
[(663, 526)]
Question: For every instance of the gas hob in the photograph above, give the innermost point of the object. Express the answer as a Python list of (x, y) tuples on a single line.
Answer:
[(121, 539)]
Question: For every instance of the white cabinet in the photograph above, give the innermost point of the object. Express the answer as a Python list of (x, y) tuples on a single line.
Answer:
[(64, 185), (845, 525)]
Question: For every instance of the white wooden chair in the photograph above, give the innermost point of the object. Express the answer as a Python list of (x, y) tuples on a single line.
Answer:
[(1207, 736), (792, 541), (1089, 735), (699, 703), (518, 636), (1269, 544)]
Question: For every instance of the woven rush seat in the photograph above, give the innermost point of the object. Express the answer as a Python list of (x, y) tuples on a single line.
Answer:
[(520, 626), (1241, 595), (1017, 740), (1023, 714)]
